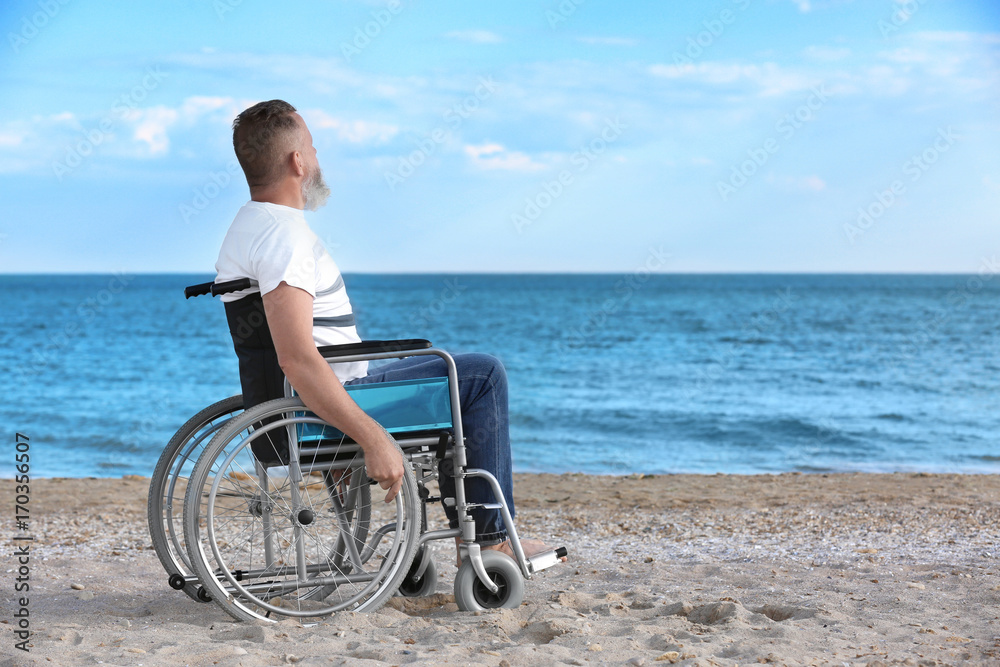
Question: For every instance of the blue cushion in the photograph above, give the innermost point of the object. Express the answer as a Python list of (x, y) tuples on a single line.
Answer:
[(402, 406)]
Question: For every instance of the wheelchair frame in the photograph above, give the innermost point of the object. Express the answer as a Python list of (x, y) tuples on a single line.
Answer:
[(486, 578)]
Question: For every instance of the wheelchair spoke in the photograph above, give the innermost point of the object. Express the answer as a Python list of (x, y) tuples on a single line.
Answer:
[(264, 544)]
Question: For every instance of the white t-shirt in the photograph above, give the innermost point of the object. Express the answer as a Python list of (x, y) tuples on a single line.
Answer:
[(272, 244)]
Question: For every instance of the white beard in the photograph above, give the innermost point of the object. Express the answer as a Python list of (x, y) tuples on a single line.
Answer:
[(315, 191)]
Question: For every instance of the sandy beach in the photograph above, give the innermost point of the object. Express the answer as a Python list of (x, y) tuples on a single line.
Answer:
[(855, 569)]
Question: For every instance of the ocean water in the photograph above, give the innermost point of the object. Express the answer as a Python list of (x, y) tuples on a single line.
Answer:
[(609, 373)]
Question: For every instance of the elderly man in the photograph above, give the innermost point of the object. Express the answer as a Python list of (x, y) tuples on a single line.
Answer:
[(306, 305)]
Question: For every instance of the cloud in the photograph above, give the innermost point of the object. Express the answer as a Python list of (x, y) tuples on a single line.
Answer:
[(475, 36), (770, 79), (355, 132), (31, 144), (11, 139), (196, 106), (65, 117), (546, 109), (495, 156), (123, 132), (150, 128)]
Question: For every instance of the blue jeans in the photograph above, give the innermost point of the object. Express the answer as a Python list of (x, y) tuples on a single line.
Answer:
[(482, 389)]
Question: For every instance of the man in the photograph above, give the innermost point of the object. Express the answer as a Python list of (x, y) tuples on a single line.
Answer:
[(306, 305)]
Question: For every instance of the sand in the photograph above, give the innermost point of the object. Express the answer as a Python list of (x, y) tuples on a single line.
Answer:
[(846, 569)]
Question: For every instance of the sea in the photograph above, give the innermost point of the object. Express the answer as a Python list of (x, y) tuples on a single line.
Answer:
[(609, 374)]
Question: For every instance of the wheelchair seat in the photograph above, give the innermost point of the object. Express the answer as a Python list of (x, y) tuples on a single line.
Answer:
[(401, 407)]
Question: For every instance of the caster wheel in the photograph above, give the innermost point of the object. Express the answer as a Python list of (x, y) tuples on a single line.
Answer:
[(203, 595), (177, 582), (425, 585), (472, 595)]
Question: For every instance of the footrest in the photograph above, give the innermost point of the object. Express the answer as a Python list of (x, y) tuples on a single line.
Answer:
[(547, 559)]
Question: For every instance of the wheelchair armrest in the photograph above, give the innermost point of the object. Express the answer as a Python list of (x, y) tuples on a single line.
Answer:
[(373, 347)]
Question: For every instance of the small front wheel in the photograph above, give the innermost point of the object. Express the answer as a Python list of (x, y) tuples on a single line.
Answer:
[(472, 595), (425, 585)]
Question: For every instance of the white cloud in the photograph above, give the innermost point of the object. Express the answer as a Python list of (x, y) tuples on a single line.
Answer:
[(151, 128), (495, 156), (354, 131), (885, 80), (475, 36), (908, 56), (11, 139), (771, 79), (65, 117), (129, 133), (197, 105)]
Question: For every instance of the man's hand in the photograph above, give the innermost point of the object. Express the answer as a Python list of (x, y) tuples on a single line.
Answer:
[(384, 463)]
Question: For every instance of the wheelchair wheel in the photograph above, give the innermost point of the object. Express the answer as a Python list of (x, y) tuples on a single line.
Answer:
[(426, 584), (165, 505), (264, 544), (472, 595)]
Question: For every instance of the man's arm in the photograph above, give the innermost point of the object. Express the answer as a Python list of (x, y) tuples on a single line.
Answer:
[(289, 312)]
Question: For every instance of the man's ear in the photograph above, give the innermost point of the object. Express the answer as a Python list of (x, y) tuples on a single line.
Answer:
[(298, 164)]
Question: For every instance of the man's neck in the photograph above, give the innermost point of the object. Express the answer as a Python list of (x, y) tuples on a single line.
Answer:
[(286, 194)]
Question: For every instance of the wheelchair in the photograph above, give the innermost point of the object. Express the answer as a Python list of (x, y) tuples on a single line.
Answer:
[(268, 511)]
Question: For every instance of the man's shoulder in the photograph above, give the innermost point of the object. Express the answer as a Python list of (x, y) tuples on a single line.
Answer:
[(264, 214), (256, 222)]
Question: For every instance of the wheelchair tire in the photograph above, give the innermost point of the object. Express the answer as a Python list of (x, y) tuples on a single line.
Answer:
[(165, 504), (472, 595), (248, 537), (425, 585)]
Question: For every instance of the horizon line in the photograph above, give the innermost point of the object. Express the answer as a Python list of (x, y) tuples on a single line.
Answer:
[(522, 273)]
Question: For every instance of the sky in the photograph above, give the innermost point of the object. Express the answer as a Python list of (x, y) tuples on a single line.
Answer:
[(551, 136)]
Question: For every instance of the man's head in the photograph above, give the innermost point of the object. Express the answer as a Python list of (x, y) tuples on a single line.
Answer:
[(274, 147)]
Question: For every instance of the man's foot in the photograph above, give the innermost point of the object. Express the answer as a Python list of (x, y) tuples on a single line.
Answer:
[(531, 548)]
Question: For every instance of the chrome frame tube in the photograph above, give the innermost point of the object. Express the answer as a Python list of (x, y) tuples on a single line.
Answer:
[(265, 514)]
